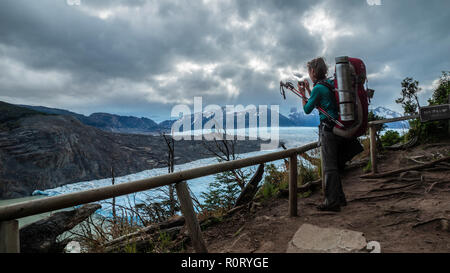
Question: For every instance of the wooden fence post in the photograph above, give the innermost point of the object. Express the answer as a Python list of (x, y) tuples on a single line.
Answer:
[(373, 147), (293, 186), (9, 237), (190, 217), (321, 171)]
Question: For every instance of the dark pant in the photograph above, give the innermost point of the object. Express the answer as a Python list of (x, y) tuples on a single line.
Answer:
[(336, 151), (330, 146)]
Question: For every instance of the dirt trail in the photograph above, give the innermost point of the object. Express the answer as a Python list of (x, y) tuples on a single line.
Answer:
[(404, 213)]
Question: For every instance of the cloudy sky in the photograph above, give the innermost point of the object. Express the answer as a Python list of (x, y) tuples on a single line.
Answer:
[(142, 57)]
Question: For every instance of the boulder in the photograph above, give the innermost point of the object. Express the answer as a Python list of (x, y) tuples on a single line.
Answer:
[(313, 239), (40, 236)]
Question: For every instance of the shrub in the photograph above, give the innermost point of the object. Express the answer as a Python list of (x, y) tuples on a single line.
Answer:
[(306, 174), (391, 137), (221, 194), (273, 182), (279, 179)]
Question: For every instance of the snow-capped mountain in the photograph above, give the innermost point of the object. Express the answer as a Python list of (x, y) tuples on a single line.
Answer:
[(388, 113), (250, 119), (301, 119), (385, 112)]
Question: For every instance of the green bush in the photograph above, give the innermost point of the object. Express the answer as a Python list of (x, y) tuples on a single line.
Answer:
[(221, 194), (277, 180), (431, 131), (307, 174), (390, 137), (269, 190), (273, 182)]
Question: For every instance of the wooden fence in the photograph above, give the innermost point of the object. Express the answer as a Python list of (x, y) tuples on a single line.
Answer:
[(374, 126), (9, 228)]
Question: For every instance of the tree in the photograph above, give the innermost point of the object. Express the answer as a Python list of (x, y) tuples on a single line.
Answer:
[(409, 99), (223, 192), (154, 211), (437, 129), (225, 150), (172, 202), (441, 93), (428, 131)]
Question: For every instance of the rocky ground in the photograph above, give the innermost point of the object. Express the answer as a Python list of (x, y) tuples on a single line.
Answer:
[(408, 212)]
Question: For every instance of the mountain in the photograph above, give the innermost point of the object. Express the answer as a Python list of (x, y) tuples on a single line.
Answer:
[(55, 111), (41, 151), (387, 113), (299, 118), (9, 114), (165, 126), (123, 124), (130, 124), (241, 119), (105, 121)]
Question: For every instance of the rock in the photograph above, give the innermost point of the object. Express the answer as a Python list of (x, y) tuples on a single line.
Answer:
[(40, 236), (314, 239), (73, 247)]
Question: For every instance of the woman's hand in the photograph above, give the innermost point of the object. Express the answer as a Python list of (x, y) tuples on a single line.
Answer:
[(306, 84), (301, 88)]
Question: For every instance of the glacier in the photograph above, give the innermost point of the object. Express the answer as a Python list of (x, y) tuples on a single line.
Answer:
[(290, 136)]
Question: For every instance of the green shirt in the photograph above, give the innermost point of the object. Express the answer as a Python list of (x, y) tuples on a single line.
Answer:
[(323, 97)]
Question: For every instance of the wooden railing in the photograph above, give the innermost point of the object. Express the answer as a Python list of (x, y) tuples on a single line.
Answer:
[(374, 126), (9, 228)]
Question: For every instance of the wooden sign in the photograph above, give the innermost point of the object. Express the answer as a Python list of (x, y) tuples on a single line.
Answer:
[(435, 112)]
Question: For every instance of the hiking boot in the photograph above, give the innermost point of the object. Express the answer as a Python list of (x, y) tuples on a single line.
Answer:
[(323, 207)]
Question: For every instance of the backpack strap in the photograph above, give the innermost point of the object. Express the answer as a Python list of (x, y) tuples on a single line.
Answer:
[(326, 84), (330, 87)]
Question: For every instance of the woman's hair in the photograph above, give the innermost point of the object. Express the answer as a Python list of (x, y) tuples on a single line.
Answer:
[(320, 68)]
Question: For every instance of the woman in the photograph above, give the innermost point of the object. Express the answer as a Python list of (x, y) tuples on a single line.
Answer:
[(321, 95)]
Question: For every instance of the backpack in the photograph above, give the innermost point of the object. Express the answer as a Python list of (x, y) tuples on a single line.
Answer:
[(358, 126)]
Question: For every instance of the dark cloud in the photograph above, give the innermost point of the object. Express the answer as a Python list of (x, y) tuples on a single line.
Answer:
[(142, 57)]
